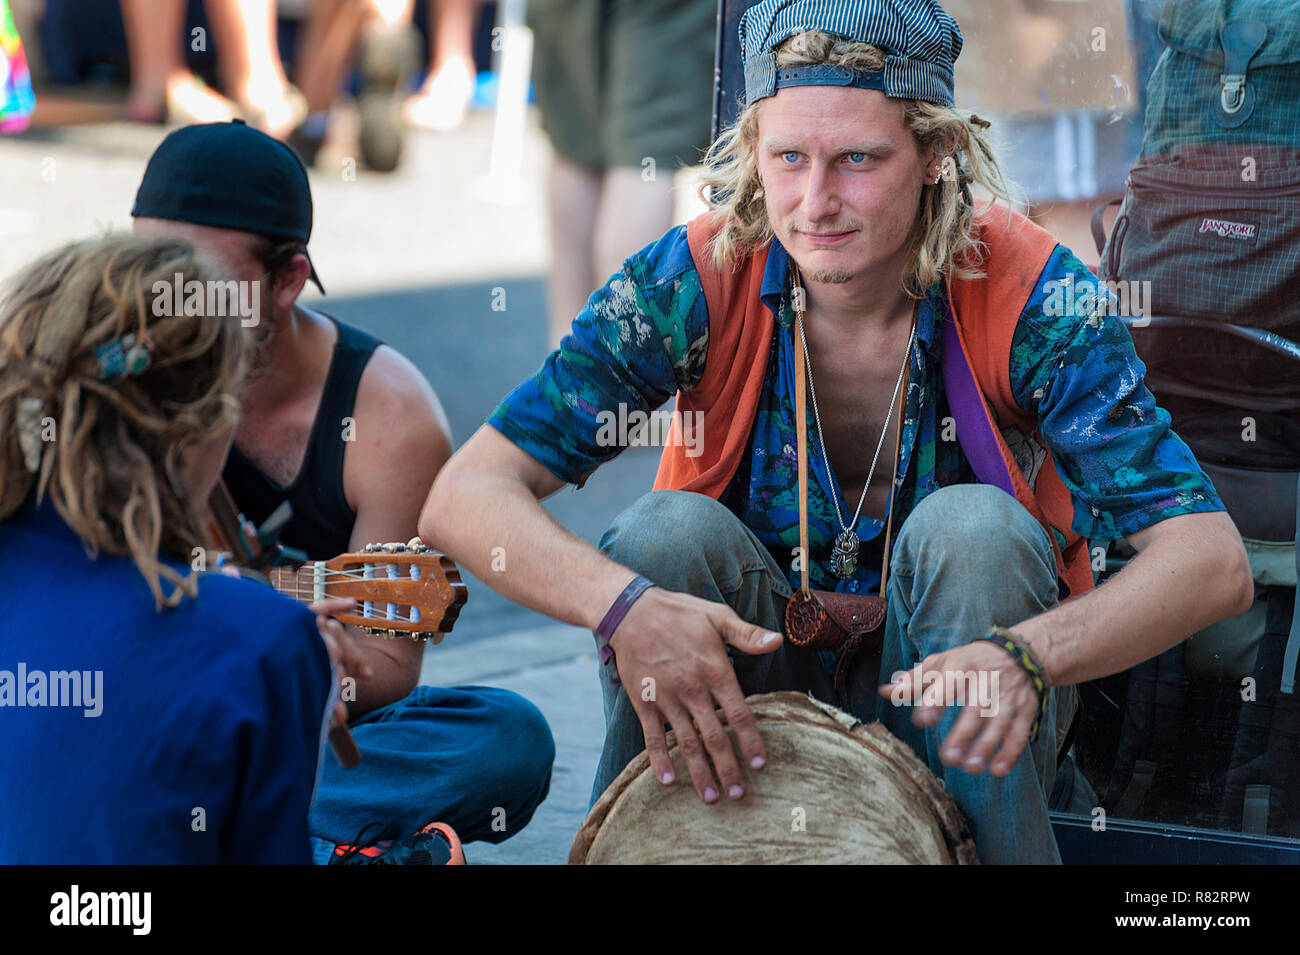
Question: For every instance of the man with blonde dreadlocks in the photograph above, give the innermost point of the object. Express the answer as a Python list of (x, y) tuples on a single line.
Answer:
[(844, 256)]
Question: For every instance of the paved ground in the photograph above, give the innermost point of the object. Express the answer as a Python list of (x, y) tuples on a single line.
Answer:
[(417, 258)]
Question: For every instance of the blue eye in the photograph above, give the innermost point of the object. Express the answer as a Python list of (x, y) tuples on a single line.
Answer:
[(857, 157), (790, 156)]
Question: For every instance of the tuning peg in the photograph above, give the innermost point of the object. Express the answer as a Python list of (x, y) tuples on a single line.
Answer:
[(415, 545), (392, 548)]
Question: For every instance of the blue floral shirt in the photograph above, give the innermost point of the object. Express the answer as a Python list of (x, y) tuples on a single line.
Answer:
[(644, 335)]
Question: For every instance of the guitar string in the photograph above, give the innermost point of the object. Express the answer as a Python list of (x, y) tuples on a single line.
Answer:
[(352, 575), (331, 574)]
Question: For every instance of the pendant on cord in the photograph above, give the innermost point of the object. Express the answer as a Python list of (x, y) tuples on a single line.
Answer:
[(844, 556)]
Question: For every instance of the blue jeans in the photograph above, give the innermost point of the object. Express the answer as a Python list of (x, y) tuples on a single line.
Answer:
[(475, 757), (967, 557)]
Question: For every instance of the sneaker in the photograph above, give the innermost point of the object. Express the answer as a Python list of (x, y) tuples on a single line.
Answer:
[(388, 58), (435, 844), (442, 102), (305, 145)]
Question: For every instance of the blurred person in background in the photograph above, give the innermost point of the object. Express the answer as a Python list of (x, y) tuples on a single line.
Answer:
[(182, 717), (244, 35), (625, 91), (443, 98), (375, 34), (378, 37), (16, 100)]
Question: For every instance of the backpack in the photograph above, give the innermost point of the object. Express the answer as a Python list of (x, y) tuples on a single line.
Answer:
[(1211, 219)]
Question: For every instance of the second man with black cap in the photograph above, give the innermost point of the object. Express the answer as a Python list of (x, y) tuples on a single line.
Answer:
[(350, 433)]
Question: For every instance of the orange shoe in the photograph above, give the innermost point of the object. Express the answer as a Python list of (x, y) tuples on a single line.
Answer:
[(434, 844)]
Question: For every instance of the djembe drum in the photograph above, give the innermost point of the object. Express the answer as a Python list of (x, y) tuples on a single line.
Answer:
[(835, 790)]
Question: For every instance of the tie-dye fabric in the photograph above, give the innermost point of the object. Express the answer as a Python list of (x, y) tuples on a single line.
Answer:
[(16, 99)]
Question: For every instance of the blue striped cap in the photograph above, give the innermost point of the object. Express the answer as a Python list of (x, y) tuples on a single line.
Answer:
[(920, 39)]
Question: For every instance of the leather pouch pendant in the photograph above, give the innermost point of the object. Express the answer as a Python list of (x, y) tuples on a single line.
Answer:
[(847, 624), (825, 620)]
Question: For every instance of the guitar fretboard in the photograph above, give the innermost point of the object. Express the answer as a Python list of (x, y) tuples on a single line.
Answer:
[(299, 584)]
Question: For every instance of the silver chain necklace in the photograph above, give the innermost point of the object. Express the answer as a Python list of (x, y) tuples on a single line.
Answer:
[(844, 556)]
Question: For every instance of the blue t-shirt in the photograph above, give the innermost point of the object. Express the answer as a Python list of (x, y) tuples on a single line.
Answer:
[(190, 735)]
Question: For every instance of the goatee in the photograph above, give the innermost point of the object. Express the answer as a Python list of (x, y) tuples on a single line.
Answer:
[(830, 276)]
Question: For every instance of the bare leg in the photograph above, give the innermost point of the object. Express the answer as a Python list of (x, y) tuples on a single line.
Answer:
[(161, 85), (250, 63), (444, 97), (573, 194), (633, 213), (329, 40)]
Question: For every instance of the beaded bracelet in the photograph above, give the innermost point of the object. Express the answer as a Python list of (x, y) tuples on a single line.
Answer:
[(1018, 647), (614, 616)]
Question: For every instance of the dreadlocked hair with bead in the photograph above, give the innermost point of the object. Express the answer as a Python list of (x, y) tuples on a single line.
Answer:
[(105, 448)]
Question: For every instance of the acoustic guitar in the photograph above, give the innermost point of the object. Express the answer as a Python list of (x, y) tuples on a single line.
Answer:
[(402, 590)]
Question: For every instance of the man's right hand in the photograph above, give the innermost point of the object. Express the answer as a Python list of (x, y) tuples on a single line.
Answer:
[(670, 650)]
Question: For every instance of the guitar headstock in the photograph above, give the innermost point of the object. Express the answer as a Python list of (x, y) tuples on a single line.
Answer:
[(402, 590)]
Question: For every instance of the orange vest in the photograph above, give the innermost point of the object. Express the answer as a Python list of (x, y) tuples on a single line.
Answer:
[(975, 365)]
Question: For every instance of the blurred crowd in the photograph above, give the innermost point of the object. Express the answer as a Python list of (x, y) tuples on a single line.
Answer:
[(218, 60), (624, 89)]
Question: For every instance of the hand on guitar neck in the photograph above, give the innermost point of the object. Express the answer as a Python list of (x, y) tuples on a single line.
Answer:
[(345, 656)]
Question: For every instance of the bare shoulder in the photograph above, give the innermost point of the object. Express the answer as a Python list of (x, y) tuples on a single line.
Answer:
[(400, 434), (399, 398), (391, 382)]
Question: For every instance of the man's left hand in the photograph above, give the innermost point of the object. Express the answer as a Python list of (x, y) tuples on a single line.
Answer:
[(993, 728)]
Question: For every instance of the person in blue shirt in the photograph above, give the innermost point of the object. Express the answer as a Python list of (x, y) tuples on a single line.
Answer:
[(148, 713)]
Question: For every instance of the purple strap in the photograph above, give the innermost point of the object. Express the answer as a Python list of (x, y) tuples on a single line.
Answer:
[(974, 430), (614, 616)]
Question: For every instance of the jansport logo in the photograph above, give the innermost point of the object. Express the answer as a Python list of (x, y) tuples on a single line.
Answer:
[(75, 907), (1224, 229)]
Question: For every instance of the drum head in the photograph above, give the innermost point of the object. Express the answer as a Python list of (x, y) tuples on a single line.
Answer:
[(834, 791)]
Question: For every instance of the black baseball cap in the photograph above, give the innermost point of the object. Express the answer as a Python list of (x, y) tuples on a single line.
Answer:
[(230, 176)]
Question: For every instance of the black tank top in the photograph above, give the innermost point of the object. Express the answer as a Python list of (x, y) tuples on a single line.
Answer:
[(322, 521)]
